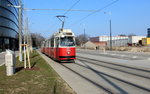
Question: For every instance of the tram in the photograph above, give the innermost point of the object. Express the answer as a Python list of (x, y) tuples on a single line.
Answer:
[(60, 46)]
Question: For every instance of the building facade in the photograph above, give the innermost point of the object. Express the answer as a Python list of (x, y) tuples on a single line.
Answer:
[(118, 40), (135, 39), (106, 38), (8, 25)]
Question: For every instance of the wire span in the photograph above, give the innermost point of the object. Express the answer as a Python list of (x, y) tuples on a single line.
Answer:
[(95, 12)]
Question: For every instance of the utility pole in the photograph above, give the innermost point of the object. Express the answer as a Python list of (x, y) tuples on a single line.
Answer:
[(110, 29), (110, 35), (84, 35)]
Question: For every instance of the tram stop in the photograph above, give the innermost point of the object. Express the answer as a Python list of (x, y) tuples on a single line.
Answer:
[(10, 61)]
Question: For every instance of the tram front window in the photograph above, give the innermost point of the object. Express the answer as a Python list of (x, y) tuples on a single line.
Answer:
[(67, 41)]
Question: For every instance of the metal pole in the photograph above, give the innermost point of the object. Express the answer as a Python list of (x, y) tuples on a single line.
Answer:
[(20, 30), (84, 37), (110, 36)]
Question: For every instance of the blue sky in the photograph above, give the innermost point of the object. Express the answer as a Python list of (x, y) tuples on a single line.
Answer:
[(128, 17)]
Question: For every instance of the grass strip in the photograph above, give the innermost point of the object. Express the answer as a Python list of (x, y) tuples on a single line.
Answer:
[(40, 79)]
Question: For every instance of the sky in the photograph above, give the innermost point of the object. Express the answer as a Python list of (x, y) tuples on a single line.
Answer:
[(127, 16)]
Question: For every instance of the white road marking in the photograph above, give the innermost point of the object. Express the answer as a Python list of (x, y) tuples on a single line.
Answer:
[(112, 54), (104, 53), (134, 57), (122, 55)]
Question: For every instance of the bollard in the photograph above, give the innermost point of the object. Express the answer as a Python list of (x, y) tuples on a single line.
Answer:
[(10, 61)]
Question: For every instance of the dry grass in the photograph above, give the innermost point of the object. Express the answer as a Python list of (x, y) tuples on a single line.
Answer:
[(41, 79), (132, 49)]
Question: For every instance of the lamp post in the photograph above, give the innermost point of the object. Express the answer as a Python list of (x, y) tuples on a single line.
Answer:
[(20, 27), (110, 29)]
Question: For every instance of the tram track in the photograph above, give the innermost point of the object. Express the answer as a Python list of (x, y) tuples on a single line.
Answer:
[(113, 77), (118, 56), (99, 80), (118, 67), (140, 87), (107, 90)]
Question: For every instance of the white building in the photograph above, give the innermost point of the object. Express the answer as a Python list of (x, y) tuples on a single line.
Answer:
[(135, 39), (118, 40), (106, 38)]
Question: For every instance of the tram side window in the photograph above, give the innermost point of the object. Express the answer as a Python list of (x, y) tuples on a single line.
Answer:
[(46, 44), (57, 42), (52, 42), (49, 43)]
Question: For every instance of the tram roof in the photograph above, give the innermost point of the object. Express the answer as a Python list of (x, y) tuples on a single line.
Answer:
[(64, 32)]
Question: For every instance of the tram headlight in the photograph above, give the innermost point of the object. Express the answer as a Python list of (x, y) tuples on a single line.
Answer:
[(68, 53)]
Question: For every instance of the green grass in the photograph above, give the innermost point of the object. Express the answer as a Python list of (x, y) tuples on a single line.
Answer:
[(41, 79)]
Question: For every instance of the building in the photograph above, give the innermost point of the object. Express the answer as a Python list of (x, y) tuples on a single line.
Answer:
[(146, 41), (118, 40), (148, 32), (135, 39), (8, 25), (106, 38)]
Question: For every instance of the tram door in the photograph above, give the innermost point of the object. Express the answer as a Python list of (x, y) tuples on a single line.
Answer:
[(57, 48)]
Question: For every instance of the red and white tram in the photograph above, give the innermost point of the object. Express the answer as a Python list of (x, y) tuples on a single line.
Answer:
[(61, 46)]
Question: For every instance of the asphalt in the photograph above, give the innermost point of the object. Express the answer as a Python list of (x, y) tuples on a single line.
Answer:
[(133, 59)]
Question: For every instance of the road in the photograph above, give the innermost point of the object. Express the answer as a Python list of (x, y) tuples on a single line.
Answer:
[(95, 72)]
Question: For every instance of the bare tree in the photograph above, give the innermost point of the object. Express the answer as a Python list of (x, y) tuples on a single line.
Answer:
[(37, 39), (132, 35), (122, 35), (81, 39)]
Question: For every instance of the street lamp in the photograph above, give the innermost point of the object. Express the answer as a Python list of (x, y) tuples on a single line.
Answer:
[(20, 27), (109, 13)]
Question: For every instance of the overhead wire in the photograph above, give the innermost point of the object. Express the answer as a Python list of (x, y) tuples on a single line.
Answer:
[(67, 12), (72, 6), (62, 10), (94, 12)]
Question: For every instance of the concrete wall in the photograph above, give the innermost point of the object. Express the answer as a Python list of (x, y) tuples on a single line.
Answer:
[(118, 42)]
